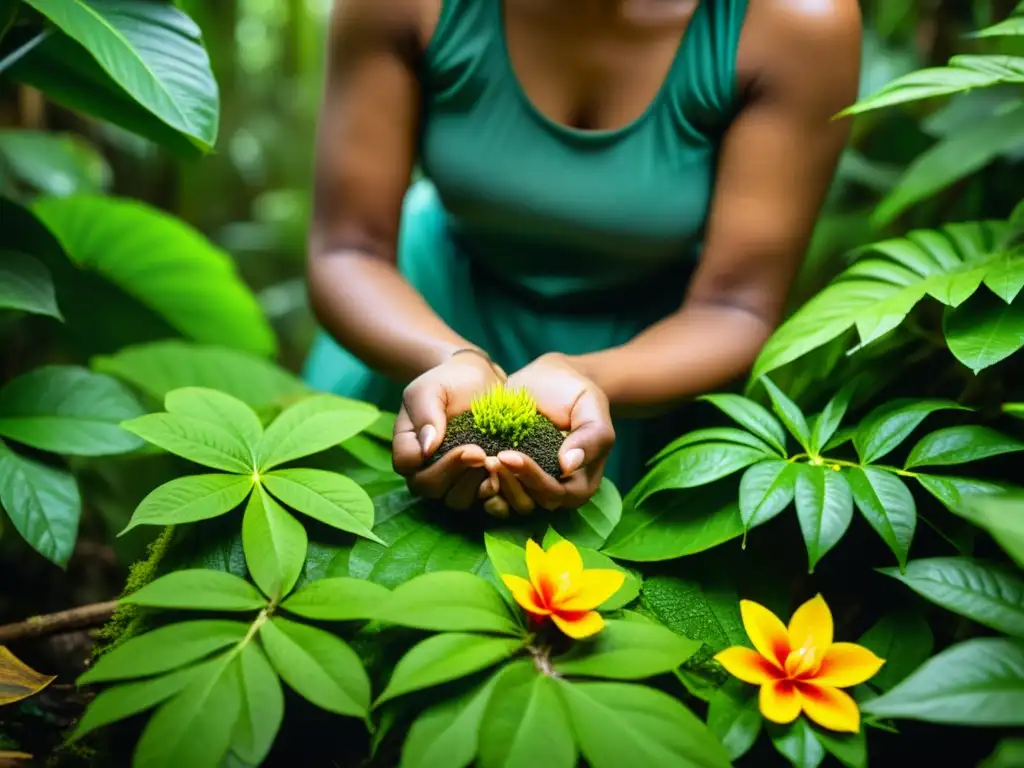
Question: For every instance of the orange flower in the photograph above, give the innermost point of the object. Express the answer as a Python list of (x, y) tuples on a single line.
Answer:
[(561, 588), (799, 667)]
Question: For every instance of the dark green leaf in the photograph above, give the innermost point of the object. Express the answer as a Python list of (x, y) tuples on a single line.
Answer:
[(984, 331), (824, 507), (707, 610), (312, 425), (830, 418), (221, 410), (338, 599), (887, 504), (591, 524), (751, 415), (789, 412), (733, 718), (262, 707), (199, 589), (766, 489), (51, 163), (904, 640), (193, 439), (448, 601), (628, 650), (886, 427), (953, 491), (850, 749), (959, 445), (798, 743), (191, 498), (1002, 517), (714, 435), (325, 496), (275, 545), (26, 285), (697, 465)]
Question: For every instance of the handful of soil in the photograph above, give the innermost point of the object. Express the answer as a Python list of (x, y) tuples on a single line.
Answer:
[(503, 419)]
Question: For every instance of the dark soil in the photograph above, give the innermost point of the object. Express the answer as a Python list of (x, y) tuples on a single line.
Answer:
[(541, 444)]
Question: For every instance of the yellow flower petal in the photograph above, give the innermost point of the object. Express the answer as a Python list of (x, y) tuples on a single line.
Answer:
[(536, 566), (847, 664), (765, 631), (829, 707), (748, 665), (592, 588), (579, 625), (811, 626), (524, 594), (564, 568), (779, 701)]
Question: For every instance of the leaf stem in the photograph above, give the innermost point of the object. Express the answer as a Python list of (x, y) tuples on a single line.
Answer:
[(14, 56)]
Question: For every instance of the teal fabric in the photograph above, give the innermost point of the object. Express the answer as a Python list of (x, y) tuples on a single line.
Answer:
[(527, 236)]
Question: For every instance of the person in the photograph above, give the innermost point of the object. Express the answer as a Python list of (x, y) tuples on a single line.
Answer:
[(615, 198)]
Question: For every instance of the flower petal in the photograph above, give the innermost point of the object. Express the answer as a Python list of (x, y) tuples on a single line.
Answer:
[(765, 631), (564, 568), (593, 587), (748, 665), (537, 566), (579, 624), (847, 664), (829, 707), (524, 594), (811, 626), (779, 701)]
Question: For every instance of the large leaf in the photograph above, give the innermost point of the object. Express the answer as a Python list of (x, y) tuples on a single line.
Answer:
[(984, 331), (1002, 517), (798, 743), (960, 445), (904, 640), (887, 504), (448, 601), (338, 599), (54, 163), (766, 489), (325, 496), (199, 589), (164, 264), (707, 610), (734, 720), (128, 62), (191, 498), (220, 410), (888, 425), (628, 650), (194, 439), (26, 285), (275, 545), (312, 425), (694, 466), (824, 507), (591, 524), (715, 434), (954, 491), (18, 680), (262, 707)]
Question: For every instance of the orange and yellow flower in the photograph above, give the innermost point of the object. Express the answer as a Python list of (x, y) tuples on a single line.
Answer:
[(560, 587), (799, 668)]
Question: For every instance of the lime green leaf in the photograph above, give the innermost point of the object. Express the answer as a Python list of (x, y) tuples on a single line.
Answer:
[(620, 724), (338, 599), (714, 435), (68, 410), (591, 524), (165, 649), (441, 658), (262, 707), (959, 445), (1013, 26), (697, 465), (17, 680), (221, 410), (199, 589), (194, 439), (318, 666), (789, 412), (704, 610), (370, 451), (984, 331), (26, 285), (42, 502), (989, 594), (1005, 277), (275, 545), (904, 640), (505, 556), (824, 507), (1009, 753), (1014, 409), (886, 427), (978, 682), (1002, 517), (733, 718), (627, 650), (191, 498), (448, 601), (325, 496), (766, 489), (54, 163), (887, 504), (312, 425), (752, 416), (798, 743)]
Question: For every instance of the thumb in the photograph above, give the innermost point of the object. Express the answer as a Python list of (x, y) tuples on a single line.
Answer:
[(591, 435), (425, 405)]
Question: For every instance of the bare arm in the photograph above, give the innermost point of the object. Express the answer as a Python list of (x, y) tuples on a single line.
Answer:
[(776, 164)]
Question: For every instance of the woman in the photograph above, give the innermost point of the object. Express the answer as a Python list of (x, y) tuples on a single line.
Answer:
[(620, 194)]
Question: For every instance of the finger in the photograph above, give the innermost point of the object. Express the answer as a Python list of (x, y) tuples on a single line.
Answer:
[(491, 486), (545, 490), (464, 491), (582, 485), (406, 451), (511, 489), (497, 507), (437, 479), (425, 404), (592, 434)]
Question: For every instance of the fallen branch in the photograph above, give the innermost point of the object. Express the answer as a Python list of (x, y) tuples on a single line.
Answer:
[(83, 617)]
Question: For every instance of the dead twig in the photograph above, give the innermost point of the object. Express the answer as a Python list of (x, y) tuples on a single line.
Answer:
[(83, 617)]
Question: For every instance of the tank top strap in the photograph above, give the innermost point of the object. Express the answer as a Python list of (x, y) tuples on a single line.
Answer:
[(462, 48)]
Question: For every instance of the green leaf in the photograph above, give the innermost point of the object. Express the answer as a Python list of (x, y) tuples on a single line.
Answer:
[(751, 415), (619, 724), (275, 545), (766, 489), (505, 556), (696, 466), (886, 427), (789, 412), (312, 425), (331, 498), (193, 439), (628, 650), (68, 410), (798, 743), (952, 491), (977, 682), (525, 723), (887, 504), (153, 54), (184, 279), (190, 498), (221, 410), (904, 640), (318, 666), (830, 418), (985, 592), (959, 445), (1002, 517), (714, 435), (733, 719), (706, 610), (26, 285), (199, 589), (824, 507), (441, 658), (262, 707), (591, 524), (850, 749), (1005, 277), (164, 649), (448, 601), (984, 331), (338, 599), (43, 504), (54, 163)]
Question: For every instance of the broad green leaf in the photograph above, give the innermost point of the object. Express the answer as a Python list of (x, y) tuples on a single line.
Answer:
[(337, 599), (275, 545), (1005, 276), (1002, 517), (733, 719), (505, 556), (154, 55), (798, 743), (219, 409), (824, 507), (953, 491), (984, 331), (706, 610), (318, 666), (904, 640), (714, 435), (695, 466), (752, 416), (164, 649), (54, 163), (960, 445), (184, 279), (766, 489), (194, 439), (789, 412), (619, 724), (850, 749), (591, 558), (445, 657), (42, 502), (448, 601), (325, 496), (830, 418), (627, 650), (68, 410), (191, 498), (525, 723), (887, 504), (1009, 753), (988, 593), (977, 682), (18, 680), (199, 589), (370, 451), (262, 707), (26, 285), (312, 425), (591, 524), (887, 426)]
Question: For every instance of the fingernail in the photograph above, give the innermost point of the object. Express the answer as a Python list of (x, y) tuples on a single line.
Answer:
[(573, 460), (427, 435), (511, 459)]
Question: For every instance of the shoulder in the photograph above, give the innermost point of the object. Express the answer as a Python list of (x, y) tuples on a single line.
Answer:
[(408, 24)]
